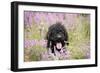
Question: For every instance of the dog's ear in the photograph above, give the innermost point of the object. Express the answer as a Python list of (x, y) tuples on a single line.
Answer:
[(48, 40), (48, 44), (65, 33), (66, 36)]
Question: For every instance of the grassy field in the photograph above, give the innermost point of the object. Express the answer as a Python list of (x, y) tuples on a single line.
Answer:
[(36, 27)]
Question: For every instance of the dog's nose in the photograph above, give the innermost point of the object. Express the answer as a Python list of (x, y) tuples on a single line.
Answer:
[(59, 36)]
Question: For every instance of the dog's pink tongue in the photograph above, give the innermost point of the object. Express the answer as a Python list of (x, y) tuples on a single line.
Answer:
[(59, 45)]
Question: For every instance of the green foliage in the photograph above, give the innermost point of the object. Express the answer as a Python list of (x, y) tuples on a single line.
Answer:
[(36, 52)]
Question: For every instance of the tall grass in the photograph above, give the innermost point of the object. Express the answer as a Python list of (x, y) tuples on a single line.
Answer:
[(79, 39)]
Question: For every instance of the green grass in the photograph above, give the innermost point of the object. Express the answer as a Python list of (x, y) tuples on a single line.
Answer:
[(36, 52)]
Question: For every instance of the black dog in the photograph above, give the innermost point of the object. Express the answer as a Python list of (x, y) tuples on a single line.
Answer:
[(56, 34)]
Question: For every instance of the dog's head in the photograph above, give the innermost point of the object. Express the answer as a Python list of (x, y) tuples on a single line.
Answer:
[(56, 34)]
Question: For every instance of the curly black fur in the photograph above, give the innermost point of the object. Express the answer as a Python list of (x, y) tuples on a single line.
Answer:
[(56, 33)]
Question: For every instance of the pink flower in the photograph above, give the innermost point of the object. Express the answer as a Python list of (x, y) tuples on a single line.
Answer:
[(28, 17)]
